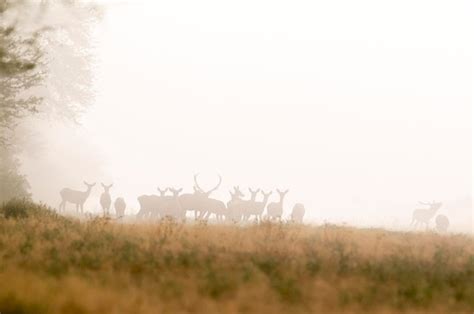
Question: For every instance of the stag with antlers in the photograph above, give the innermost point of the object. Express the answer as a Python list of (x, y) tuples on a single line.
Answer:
[(199, 200), (424, 215)]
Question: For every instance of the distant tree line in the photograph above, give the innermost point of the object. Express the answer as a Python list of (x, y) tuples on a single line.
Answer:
[(45, 68)]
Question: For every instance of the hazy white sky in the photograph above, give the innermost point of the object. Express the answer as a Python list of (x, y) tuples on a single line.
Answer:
[(360, 108)]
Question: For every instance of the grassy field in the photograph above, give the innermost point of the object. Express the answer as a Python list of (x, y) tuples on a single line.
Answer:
[(52, 264)]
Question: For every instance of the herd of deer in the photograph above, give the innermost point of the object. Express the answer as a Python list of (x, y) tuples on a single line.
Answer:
[(236, 209), (177, 205)]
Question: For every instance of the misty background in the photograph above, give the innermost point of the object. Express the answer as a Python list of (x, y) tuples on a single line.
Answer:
[(360, 109)]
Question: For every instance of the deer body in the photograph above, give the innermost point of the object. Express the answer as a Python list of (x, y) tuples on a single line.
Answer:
[(234, 206), (423, 216), (199, 201), (105, 199), (275, 210), (120, 206), (151, 205), (76, 197), (259, 207), (250, 206), (171, 206), (298, 213)]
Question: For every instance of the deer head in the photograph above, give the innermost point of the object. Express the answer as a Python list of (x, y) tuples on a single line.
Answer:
[(282, 194), (198, 189), (253, 194), (238, 192), (162, 192), (89, 185), (266, 196), (106, 187), (175, 192)]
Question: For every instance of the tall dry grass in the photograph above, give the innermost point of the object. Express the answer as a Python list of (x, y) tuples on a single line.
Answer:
[(52, 264)]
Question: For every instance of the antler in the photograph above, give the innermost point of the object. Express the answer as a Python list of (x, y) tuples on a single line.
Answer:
[(196, 184), (217, 186), (211, 190)]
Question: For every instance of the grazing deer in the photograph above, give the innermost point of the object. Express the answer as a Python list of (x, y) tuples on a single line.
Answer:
[(275, 210), (249, 207), (75, 197), (422, 215), (234, 212), (297, 213), (105, 199), (120, 206), (260, 206)]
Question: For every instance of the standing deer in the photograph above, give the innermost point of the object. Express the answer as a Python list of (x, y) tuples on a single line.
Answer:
[(234, 206), (199, 200), (120, 206), (249, 207), (422, 215), (260, 206), (151, 205), (75, 197), (172, 207), (105, 199), (275, 210)]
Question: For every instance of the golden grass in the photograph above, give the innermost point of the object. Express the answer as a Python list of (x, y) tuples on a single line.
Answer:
[(51, 264)]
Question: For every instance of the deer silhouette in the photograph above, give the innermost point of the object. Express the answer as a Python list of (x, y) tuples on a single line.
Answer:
[(260, 206), (151, 205), (199, 200), (275, 210), (297, 213), (105, 199), (423, 215), (120, 206), (250, 206), (75, 197), (171, 205), (234, 206)]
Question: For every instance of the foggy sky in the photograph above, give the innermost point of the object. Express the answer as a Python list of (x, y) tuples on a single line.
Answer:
[(360, 108)]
